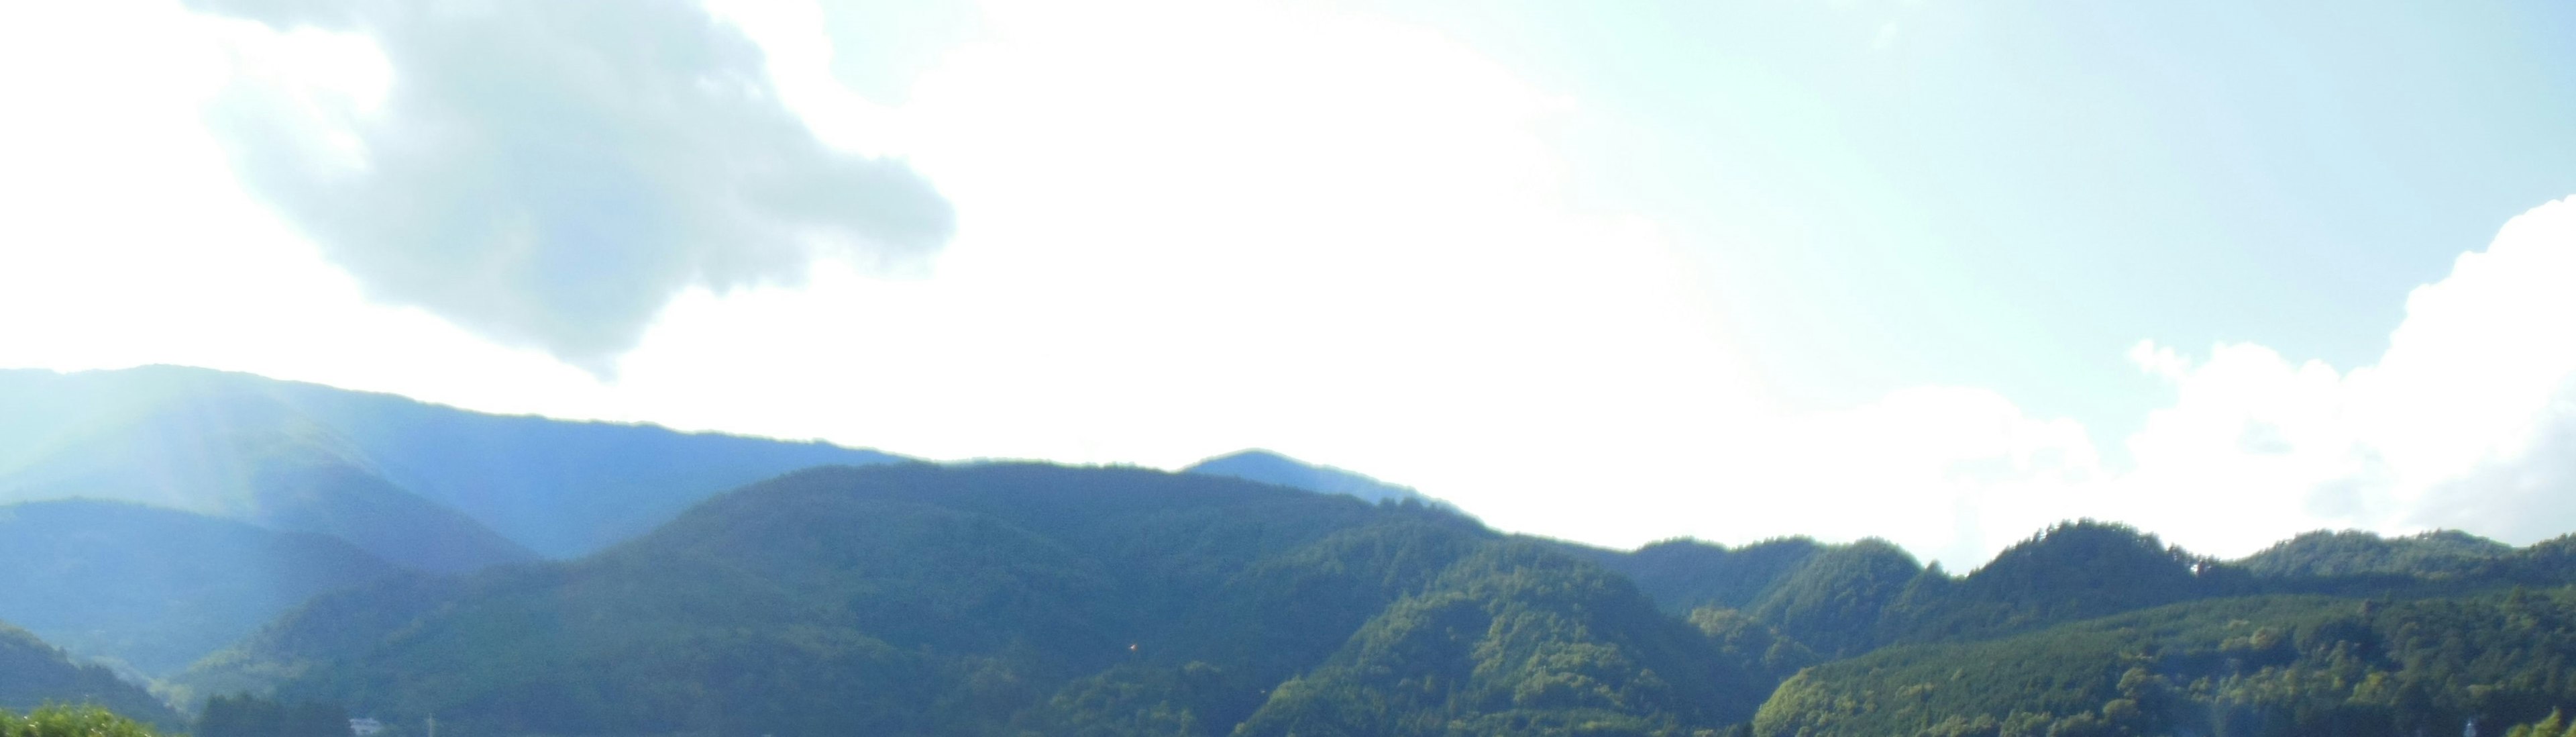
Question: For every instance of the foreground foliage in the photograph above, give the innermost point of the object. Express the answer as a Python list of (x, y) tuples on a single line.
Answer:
[(55, 720)]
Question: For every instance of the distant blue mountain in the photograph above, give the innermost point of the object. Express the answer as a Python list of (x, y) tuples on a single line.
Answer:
[(155, 589), (421, 485), (1272, 468)]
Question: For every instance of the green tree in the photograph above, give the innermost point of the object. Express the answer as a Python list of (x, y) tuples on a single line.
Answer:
[(57, 720)]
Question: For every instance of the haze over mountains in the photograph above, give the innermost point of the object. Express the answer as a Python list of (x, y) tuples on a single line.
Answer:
[(154, 589), (514, 575), (1278, 470), (422, 485), (240, 496)]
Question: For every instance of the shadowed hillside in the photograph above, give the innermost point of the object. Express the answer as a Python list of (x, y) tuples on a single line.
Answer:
[(34, 674), (1001, 599), (157, 589), (418, 484)]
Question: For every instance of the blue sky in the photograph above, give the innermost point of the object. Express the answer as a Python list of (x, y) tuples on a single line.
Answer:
[(2007, 194), (1937, 271)]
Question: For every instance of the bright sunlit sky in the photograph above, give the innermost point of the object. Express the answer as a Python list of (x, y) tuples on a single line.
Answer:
[(1937, 271)]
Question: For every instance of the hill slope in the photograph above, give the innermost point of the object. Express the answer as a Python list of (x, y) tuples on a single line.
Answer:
[(33, 674), (215, 448), (157, 589), (2353, 552), (994, 599), (419, 484), (2279, 665)]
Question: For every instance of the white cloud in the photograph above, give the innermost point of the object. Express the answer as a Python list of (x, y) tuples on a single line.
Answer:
[(2467, 421), (548, 174), (2460, 423)]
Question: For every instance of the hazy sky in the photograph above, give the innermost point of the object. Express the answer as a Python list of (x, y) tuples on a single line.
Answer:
[(1939, 271)]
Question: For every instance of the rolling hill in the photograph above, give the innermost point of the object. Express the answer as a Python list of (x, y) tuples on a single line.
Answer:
[(34, 674), (421, 485), (156, 589), (1007, 599)]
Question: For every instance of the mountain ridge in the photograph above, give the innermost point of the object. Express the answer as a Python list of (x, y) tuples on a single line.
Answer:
[(497, 488)]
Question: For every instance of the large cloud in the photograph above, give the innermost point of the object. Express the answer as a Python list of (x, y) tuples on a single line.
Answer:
[(2467, 421), (550, 174)]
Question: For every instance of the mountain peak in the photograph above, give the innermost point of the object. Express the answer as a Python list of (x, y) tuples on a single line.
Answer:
[(1273, 468)]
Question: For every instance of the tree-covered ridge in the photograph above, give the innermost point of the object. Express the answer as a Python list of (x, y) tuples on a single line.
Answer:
[(1517, 640), (1684, 574), (993, 599), (1020, 599), (156, 589), (34, 674), (2280, 665), (2355, 553), (418, 484)]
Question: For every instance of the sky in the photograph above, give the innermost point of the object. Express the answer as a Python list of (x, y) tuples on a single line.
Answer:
[(1936, 271)]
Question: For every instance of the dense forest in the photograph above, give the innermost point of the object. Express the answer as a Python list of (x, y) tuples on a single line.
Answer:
[(285, 557), (1006, 599), (1030, 599)]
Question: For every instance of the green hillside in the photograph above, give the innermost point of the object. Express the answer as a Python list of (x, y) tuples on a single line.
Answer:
[(1007, 599), (2238, 666), (34, 674), (1020, 599), (157, 589), (1682, 575), (2355, 553)]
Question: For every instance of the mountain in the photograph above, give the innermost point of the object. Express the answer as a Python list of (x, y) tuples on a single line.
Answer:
[(418, 484), (34, 674), (2354, 552), (2277, 665), (156, 589), (215, 444), (1682, 575), (1515, 640), (1013, 599), (1272, 468), (1009, 599)]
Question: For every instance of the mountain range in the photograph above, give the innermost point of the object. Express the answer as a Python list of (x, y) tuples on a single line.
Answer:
[(213, 534), (421, 485)]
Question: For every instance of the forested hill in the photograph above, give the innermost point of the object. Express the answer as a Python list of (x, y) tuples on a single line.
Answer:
[(33, 674), (1017, 599), (421, 485), (156, 589), (2280, 665), (2351, 553)]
